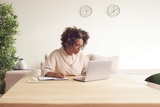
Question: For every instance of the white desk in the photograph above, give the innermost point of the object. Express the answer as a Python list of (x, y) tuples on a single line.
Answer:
[(113, 92)]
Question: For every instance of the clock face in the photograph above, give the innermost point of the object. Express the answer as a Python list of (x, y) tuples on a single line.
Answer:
[(85, 11), (113, 10)]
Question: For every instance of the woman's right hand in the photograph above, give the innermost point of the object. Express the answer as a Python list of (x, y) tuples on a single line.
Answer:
[(55, 74), (59, 75)]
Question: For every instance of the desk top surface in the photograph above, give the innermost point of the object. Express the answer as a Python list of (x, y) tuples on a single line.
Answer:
[(113, 91)]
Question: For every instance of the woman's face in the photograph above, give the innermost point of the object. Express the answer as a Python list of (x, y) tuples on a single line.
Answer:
[(77, 46)]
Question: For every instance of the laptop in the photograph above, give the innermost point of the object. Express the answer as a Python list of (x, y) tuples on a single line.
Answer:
[(96, 70)]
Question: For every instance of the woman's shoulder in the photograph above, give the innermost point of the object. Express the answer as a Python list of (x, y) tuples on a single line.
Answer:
[(81, 54), (55, 52)]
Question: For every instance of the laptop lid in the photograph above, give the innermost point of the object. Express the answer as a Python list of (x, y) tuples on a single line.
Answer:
[(97, 70)]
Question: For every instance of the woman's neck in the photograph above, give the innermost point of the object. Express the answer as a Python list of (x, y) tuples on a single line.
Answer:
[(69, 52)]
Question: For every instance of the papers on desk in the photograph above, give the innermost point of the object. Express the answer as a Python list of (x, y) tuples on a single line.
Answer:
[(33, 80), (51, 78)]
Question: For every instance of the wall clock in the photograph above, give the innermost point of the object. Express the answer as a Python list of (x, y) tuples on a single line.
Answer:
[(86, 11), (113, 10)]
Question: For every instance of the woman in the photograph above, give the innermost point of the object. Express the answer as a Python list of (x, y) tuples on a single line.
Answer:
[(69, 59)]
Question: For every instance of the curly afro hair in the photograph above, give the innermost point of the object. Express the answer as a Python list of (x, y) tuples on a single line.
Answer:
[(70, 35)]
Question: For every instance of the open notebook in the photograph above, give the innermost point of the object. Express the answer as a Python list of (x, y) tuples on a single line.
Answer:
[(97, 70)]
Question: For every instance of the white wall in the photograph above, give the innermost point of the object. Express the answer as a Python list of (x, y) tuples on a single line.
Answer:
[(134, 34)]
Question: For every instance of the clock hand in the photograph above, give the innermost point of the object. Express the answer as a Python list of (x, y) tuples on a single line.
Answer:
[(114, 10), (88, 10)]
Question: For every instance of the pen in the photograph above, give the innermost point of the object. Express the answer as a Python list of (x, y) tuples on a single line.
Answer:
[(59, 70)]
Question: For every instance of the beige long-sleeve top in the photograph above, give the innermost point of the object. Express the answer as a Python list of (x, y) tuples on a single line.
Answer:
[(69, 65)]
